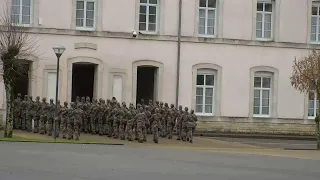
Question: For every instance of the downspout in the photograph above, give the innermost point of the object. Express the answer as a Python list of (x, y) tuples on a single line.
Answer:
[(178, 53)]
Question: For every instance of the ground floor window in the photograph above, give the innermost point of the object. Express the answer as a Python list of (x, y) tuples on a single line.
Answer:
[(313, 105), (262, 94), (205, 93)]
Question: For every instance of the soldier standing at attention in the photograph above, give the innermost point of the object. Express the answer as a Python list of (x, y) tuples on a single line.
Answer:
[(130, 121), (37, 110), (43, 116), (179, 122), (156, 125), (185, 118), (77, 117), (24, 107), (29, 114), (86, 121), (64, 119), (92, 117), (171, 121), (106, 117), (82, 104), (141, 125), (148, 124), (117, 116), (70, 123), (17, 112), (50, 119), (123, 121), (58, 119), (101, 118), (191, 125)]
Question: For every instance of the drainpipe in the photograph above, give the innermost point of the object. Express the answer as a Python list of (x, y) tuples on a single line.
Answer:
[(178, 53)]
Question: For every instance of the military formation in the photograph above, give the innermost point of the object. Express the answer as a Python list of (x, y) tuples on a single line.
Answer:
[(102, 117)]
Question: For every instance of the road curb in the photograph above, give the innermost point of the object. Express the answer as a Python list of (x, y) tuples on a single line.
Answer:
[(256, 136), (53, 142)]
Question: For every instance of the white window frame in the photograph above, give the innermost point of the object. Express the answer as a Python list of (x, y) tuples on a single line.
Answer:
[(84, 27), (315, 101), (317, 5), (204, 86), (263, 75), (206, 20), (147, 5), (20, 14), (263, 13)]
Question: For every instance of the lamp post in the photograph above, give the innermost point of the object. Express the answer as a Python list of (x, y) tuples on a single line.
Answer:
[(58, 50)]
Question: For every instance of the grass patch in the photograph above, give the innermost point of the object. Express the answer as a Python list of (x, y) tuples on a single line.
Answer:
[(20, 139)]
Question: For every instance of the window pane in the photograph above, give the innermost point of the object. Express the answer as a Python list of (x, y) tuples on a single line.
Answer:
[(79, 22), (152, 10), (267, 26), (89, 23), (152, 18), (80, 5), (265, 110), (80, 14), (257, 81), (26, 2), (15, 10), (202, 22), (210, 22), (208, 108), (256, 110), (142, 26), (15, 19), (313, 20), (25, 19), (199, 108), (314, 10), (259, 6), (203, 3), (209, 92), (259, 17), (143, 9), (267, 18), (265, 102), (142, 18), (200, 79), (212, 3), (268, 7), (313, 37), (199, 91), (256, 101), (267, 34), (202, 13), (265, 94), (151, 27), (90, 15), (210, 80), (266, 82), (257, 93), (153, 1), (143, 1), (259, 33), (199, 100), (259, 26), (90, 6), (211, 14), (26, 11), (202, 30), (210, 31), (311, 112), (311, 104), (15, 2), (313, 29), (209, 100)]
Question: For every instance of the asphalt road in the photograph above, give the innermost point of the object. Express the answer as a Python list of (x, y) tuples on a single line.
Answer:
[(272, 143), (31, 161)]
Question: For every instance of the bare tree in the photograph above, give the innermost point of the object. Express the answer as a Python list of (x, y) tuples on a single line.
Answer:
[(306, 78), (16, 45)]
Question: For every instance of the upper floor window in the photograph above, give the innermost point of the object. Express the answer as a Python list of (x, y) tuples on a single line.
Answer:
[(148, 15), (21, 12), (262, 94), (313, 105), (85, 14), (315, 22), (205, 89), (264, 20), (207, 17)]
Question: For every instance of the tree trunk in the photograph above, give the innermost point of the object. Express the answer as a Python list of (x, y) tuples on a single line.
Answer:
[(9, 109)]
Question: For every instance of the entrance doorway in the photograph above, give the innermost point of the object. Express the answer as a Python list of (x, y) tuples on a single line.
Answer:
[(146, 83), (21, 84), (83, 80)]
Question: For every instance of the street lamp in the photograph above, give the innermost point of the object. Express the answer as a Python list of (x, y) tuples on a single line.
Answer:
[(58, 50)]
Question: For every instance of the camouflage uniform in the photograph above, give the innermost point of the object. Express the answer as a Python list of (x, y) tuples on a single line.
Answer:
[(171, 121), (77, 115), (101, 117), (93, 116), (30, 114), (116, 120), (156, 125), (86, 118), (106, 117), (141, 119), (191, 125), (184, 123), (179, 122), (148, 124), (50, 119), (130, 114), (24, 107), (164, 112), (58, 120), (112, 113), (64, 119), (43, 116), (17, 112), (37, 113), (123, 121), (70, 121)]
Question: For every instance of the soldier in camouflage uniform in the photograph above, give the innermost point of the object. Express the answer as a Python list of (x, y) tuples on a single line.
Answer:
[(164, 112), (148, 114), (24, 107), (29, 114), (77, 101), (117, 116), (51, 115), (86, 119), (185, 118), (142, 103), (101, 117), (171, 121), (191, 125), (141, 120), (179, 122), (37, 113), (157, 105), (58, 119), (123, 121), (130, 114), (17, 112), (70, 121), (93, 110), (156, 125), (82, 107), (137, 111), (64, 119), (112, 113), (44, 116), (77, 115), (106, 116)]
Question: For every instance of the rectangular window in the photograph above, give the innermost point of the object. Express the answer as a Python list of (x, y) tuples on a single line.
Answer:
[(262, 95), (117, 88), (264, 20), (85, 14), (148, 15), (315, 22), (21, 11), (51, 85), (207, 17), (205, 94), (313, 105)]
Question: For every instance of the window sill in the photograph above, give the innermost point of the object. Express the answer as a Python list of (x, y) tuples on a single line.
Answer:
[(204, 115), (148, 33), (85, 29), (311, 118), (263, 39), (315, 42), (261, 116), (21, 25), (206, 36)]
